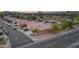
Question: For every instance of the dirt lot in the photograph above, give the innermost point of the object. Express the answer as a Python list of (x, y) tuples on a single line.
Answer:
[(48, 35)]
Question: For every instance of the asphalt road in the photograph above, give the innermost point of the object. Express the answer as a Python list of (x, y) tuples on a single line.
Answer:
[(64, 41), (16, 38)]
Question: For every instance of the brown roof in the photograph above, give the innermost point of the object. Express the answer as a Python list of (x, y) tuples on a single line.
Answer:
[(32, 24)]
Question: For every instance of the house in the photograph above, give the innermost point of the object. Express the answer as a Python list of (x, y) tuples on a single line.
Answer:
[(43, 27)]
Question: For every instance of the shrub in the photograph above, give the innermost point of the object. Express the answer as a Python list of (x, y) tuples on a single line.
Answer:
[(54, 27), (34, 30), (66, 24), (2, 40), (77, 18)]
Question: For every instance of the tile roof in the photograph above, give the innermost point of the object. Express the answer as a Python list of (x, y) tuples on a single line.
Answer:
[(32, 24)]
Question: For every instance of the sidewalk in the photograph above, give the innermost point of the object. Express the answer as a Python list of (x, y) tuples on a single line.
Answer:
[(58, 35), (27, 34), (47, 37)]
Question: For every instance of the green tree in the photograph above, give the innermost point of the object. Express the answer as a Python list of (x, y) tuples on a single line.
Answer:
[(77, 18), (33, 17), (25, 17), (66, 24), (1, 15)]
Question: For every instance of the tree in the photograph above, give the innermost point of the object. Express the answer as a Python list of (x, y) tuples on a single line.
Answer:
[(54, 27), (1, 15), (76, 21), (66, 24), (33, 17), (77, 18), (25, 17)]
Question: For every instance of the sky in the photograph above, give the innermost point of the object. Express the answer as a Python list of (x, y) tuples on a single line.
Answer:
[(38, 5)]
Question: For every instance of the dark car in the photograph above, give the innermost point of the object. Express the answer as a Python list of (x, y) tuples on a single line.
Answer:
[(1, 33), (5, 31), (14, 28), (26, 29), (1, 26)]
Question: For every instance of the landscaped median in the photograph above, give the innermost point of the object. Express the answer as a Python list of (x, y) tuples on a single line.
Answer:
[(2, 42)]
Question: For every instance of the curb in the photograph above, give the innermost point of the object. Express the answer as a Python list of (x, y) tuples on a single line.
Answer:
[(33, 39), (58, 35), (8, 44)]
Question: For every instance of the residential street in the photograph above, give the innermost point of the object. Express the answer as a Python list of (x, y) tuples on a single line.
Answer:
[(16, 38), (59, 42)]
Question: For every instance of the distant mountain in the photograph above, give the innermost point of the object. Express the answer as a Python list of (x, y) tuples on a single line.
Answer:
[(45, 12)]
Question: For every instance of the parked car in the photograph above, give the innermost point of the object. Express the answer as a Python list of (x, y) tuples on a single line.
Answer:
[(1, 26), (25, 29), (8, 24), (14, 28), (5, 31), (1, 32)]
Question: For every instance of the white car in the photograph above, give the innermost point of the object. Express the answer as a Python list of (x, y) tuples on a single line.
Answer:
[(8, 24)]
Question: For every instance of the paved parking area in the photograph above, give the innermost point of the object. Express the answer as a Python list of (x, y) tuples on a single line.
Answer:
[(16, 37)]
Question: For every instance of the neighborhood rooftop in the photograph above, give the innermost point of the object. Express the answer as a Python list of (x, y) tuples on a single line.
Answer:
[(31, 24)]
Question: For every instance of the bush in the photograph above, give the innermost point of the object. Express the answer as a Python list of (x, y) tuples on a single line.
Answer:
[(54, 27), (77, 18), (35, 30), (33, 17), (2, 40)]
